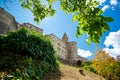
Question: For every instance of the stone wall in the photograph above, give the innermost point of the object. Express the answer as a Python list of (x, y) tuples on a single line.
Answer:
[(7, 22), (73, 50), (58, 45), (64, 49), (32, 27)]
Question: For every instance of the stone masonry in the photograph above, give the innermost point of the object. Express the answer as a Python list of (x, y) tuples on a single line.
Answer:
[(64, 48), (7, 22)]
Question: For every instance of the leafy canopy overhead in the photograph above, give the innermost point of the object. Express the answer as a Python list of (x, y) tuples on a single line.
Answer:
[(85, 12), (89, 17)]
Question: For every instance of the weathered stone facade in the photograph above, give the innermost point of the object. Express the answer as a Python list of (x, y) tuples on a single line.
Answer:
[(64, 48), (32, 27), (70, 47), (7, 22), (59, 46)]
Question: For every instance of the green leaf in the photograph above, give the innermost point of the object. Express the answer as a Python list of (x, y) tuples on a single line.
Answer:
[(98, 11), (96, 38), (105, 25), (108, 19), (23, 5), (88, 40), (50, 1), (74, 18)]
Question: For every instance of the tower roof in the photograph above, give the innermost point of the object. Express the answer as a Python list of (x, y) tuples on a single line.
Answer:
[(65, 35), (65, 38)]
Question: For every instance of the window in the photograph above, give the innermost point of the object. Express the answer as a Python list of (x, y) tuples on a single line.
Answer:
[(53, 40), (58, 48), (59, 44), (31, 27), (72, 44)]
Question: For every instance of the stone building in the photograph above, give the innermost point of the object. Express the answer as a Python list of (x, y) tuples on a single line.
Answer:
[(71, 48), (64, 49), (7, 22), (32, 27), (58, 45)]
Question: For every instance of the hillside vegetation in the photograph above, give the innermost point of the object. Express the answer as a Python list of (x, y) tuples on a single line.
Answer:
[(71, 73), (26, 55)]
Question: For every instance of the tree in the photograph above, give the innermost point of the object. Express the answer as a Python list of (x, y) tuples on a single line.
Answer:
[(85, 12), (106, 66)]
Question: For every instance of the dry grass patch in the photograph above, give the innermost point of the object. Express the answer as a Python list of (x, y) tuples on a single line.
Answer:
[(71, 73)]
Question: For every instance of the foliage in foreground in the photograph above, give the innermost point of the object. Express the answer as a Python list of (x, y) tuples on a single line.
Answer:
[(106, 66), (86, 12), (26, 55), (89, 17)]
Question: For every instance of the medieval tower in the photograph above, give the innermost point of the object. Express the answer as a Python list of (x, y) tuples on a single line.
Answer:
[(71, 48), (64, 49)]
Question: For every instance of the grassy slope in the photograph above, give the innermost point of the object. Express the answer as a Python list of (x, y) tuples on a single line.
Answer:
[(71, 73)]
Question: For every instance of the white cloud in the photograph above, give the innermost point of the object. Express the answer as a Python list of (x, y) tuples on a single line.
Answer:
[(105, 7), (113, 2), (84, 53), (101, 1), (113, 39), (113, 52)]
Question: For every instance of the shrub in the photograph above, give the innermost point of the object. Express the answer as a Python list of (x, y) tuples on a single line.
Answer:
[(27, 51), (87, 63), (88, 66), (31, 44)]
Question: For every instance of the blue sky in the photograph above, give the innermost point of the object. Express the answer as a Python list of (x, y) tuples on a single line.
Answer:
[(60, 23)]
